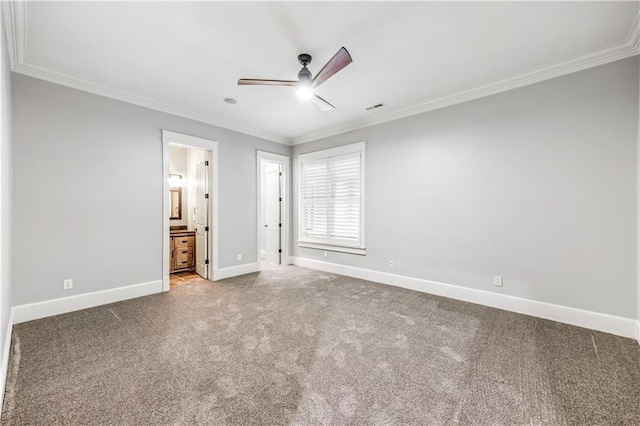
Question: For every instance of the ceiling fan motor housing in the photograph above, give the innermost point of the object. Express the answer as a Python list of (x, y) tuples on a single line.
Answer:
[(304, 74)]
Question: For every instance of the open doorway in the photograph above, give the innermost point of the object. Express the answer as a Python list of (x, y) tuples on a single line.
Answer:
[(190, 203), (273, 173), (189, 214)]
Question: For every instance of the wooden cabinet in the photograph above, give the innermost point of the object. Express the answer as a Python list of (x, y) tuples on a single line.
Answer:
[(182, 251)]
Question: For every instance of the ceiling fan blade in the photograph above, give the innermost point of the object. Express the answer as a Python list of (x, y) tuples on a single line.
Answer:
[(321, 104), (335, 64), (258, 82)]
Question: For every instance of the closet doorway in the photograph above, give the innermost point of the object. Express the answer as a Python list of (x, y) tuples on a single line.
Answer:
[(273, 190)]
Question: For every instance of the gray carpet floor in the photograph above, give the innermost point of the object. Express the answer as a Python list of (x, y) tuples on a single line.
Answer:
[(296, 346)]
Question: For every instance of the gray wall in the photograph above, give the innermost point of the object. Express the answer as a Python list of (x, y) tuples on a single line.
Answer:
[(5, 194), (537, 184), (88, 190)]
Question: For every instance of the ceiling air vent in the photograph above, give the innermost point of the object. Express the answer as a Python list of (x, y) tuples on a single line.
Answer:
[(374, 107)]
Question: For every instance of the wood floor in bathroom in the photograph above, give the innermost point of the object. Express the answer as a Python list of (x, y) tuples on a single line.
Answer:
[(184, 278)]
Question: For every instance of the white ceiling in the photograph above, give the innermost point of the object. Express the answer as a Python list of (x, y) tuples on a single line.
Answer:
[(185, 58)]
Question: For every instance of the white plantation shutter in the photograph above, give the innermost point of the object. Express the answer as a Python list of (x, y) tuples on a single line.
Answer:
[(331, 197), (314, 200), (344, 198)]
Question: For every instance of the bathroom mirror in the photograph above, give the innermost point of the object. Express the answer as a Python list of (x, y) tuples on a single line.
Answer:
[(175, 194)]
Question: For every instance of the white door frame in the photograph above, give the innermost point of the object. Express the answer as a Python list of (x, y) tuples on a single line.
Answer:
[(187, 141), (283, 160)]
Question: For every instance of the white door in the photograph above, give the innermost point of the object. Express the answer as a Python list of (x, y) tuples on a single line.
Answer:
[(202, 215), (273, 223)]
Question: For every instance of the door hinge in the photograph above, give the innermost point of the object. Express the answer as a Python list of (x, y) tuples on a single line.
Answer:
[(280, 173), (206, 163), (280, 225), (280, 199), (206, 195), (206, 262), (206, 229), (279, 250)]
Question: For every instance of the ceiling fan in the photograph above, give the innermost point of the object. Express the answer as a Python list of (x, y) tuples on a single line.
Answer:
[(306, 85)]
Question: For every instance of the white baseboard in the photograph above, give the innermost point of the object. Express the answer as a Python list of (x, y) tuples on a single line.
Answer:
[(47, 308), (619, 326), (4, 361), (234, 271)]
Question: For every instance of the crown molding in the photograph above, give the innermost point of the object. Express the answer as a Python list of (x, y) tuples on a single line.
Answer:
[(577, 63), (14, 12), (121, 95), (14, 15), (633, 39)]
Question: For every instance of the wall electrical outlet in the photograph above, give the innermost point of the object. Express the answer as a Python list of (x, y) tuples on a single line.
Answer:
[(239, 257), (67, 284), (326, 254), (497, 281), (391, 264)]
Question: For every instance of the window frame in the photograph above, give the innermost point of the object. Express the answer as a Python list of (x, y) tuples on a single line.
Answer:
[(322, 156)]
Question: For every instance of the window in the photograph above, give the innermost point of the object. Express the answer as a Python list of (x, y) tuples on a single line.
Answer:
[(332, 199)]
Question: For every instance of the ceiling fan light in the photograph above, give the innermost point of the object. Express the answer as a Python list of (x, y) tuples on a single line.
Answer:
[(305, 92)]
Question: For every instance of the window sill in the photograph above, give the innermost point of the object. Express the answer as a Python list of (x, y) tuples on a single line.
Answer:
[(328, 247)]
